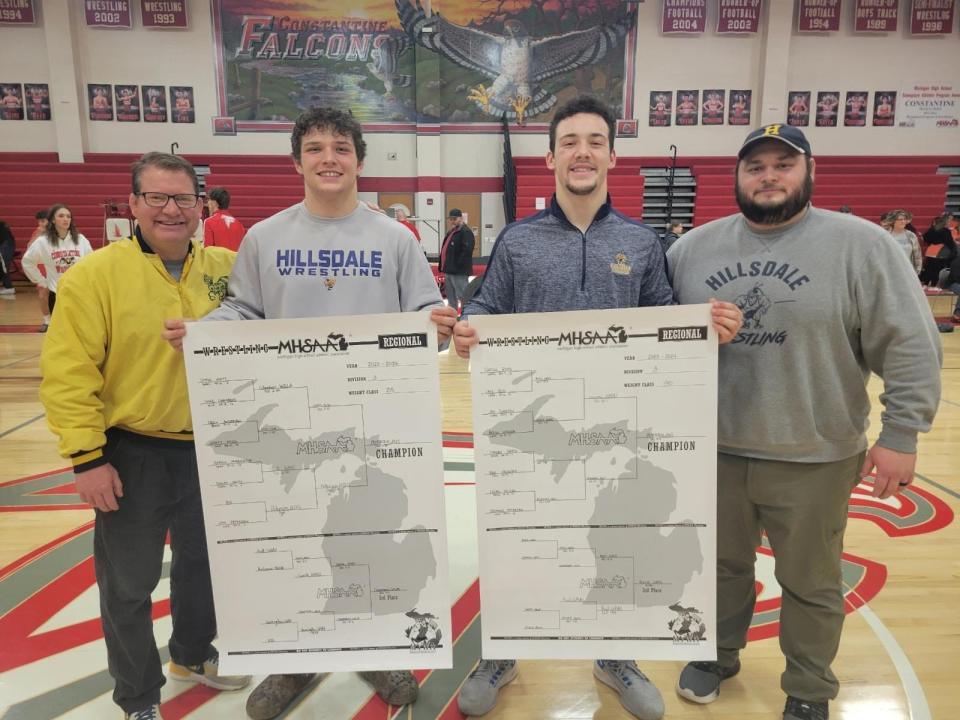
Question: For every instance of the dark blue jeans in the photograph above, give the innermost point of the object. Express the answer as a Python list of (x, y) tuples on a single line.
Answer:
[(161, 492), (6, 253), (456, 286)]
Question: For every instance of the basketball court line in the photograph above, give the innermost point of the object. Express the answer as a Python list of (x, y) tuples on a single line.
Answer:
[(20, 426)]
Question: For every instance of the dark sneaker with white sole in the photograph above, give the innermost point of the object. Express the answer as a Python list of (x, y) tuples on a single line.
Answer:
[(797, 709), (699, 682)]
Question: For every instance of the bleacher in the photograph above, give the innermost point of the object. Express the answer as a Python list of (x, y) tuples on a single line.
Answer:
[(263, 185)]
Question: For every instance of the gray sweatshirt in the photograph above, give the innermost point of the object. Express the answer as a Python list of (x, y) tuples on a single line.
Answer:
[(294, 264), (544, 264), (825, 302)]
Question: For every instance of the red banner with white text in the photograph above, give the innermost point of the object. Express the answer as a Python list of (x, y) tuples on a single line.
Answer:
[(738, 16), (875, 15), (818, 15)]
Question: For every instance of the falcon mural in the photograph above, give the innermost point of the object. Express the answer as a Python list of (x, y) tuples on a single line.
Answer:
[(517, 63), (385, 60)]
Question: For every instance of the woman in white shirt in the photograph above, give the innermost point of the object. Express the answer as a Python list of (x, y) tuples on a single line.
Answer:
[(57, 250)]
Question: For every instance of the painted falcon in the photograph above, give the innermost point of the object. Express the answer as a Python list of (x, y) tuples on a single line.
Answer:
[(517, 63)]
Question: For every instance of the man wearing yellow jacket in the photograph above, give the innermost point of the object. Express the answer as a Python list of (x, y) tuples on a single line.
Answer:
[(115, 393)]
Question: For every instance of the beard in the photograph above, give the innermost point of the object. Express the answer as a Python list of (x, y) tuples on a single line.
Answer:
[(791, 205), (582, 189)]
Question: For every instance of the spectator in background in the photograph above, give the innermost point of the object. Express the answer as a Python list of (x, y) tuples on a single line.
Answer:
[(7, 246), (846, 209), (400, 213), (953, 284), (221, 229), (674, 231), (941, 249), (41, 228), (456, 258), (57, 250), (908, 242), (43, 295)]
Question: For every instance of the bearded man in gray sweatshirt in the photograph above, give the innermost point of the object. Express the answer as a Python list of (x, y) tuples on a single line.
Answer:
[(827, 299)]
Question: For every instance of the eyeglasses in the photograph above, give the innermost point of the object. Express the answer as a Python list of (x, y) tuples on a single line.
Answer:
[(159, 199)]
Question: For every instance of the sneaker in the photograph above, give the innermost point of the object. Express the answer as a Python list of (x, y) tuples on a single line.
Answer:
[(395, 687), (43, 328), (207, 674), (275, 694), (699, 682), (637, 694), (8, 291), (151, 713), (797, 709), (479, 693)]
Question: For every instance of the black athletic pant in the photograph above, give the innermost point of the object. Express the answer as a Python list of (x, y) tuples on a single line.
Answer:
[(161, 492)]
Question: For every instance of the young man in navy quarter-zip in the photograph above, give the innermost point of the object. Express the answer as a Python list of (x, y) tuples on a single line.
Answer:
[(578, 254)]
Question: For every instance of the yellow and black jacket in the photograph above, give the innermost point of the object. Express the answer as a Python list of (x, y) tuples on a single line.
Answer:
[(104, 362)]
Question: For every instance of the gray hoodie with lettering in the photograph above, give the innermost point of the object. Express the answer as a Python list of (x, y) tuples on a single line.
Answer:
[(826, 302), (295, 264)]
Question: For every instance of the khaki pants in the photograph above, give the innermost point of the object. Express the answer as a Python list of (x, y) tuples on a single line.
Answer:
[(803, 509)]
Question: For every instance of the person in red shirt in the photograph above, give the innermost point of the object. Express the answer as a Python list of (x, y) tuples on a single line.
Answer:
[(221, 229), (400, 213)]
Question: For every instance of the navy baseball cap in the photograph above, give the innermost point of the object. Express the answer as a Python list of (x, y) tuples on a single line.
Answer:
[(455, 213), (787, 134)]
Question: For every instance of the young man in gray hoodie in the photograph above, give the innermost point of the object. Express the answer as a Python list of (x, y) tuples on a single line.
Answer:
[(328, 255), (563, 258), (827, 299)]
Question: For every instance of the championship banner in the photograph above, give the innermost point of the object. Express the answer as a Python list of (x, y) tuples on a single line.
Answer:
[(595, 483), (661, 108), (798, 109), (164, 14), (876, 15), (931, 17), (397, 63), (818, 15), (107, 13), (713, 107), (738, 16), (739, 111), (930, 106), (323, 494), (683, 16), (17, 12), (884, 108)]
